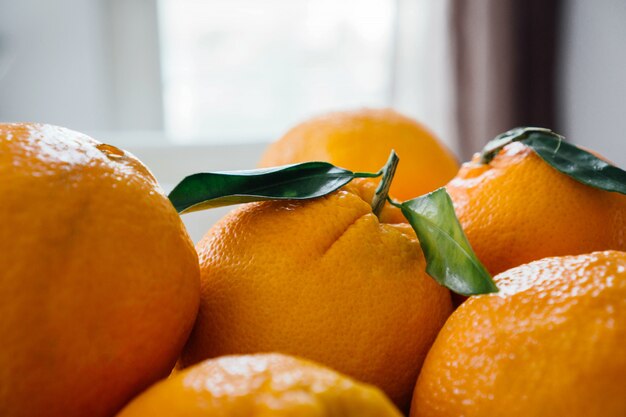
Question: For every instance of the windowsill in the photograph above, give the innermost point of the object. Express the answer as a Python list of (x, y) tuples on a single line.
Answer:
[(170, 163)]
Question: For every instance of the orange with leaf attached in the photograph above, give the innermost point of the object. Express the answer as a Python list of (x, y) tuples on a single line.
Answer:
[(324, 279), (517, 208)]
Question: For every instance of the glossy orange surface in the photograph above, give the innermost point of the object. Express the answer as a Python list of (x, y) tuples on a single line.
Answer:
[(323, 279), (550, 343), (264, 385), (99, 281), (361, 140), (519, 209)]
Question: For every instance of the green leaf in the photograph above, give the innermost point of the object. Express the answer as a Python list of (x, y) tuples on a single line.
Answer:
[(450, 259), (577, 163), (517, 134), (569, 159), (290, 182)]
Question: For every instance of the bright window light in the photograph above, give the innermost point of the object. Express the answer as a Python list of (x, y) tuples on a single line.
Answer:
[(245, 70)]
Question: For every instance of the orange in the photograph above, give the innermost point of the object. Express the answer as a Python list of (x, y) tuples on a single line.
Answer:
[(361, 140), (517, 209), (99, 284), (550, 343), (323, 279), (263, 385)]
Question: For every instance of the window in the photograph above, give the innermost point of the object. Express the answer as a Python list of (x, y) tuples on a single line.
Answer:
[(244, 70), (158, 73)]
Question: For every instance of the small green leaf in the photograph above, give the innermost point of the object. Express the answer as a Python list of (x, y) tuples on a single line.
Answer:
[(290, 182), (577, 163), (569, 159), (450, 259), (516, 134)]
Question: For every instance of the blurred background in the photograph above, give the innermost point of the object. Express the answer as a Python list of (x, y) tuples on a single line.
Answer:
[(198, 85)]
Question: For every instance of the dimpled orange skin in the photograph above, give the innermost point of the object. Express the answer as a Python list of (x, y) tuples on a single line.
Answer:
[(323, 279), (262, 385), (518, 209), (550, 343), (361, 140), (99, 284)]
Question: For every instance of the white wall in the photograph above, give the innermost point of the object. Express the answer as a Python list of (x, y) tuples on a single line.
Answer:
[(593, 83), (84, 64), (45, 60)]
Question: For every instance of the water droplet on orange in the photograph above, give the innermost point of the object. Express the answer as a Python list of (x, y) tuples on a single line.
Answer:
[(111, 151)]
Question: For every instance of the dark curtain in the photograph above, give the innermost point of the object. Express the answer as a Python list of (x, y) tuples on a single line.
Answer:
[(505, 56)]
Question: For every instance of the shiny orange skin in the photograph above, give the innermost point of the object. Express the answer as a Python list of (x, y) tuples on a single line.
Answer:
[(263, 385), (361, 140), (551, 343), (323, 279), (518, 209), (99, 285)]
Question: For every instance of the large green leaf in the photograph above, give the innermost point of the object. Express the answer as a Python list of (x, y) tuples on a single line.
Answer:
[(578, 163), (450, 259), (569, 159), (290, 182)]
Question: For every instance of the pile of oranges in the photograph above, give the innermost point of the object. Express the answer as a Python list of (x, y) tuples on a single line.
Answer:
[(318, 307)]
